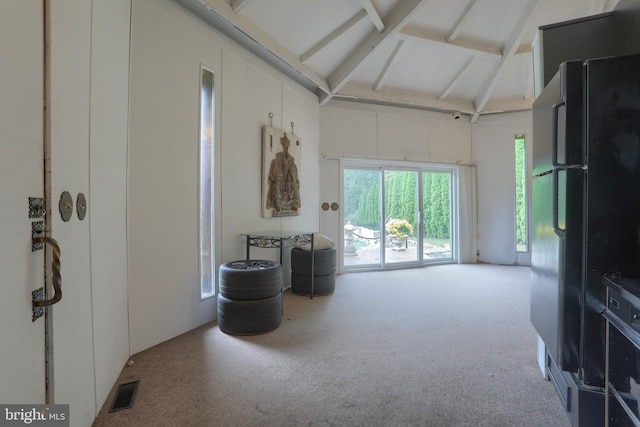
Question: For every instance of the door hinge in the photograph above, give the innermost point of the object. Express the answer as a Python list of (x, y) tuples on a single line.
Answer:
[(36, 207)]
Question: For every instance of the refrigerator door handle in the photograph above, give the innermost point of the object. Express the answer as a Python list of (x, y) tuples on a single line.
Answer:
[(554, 138), (556, 226)]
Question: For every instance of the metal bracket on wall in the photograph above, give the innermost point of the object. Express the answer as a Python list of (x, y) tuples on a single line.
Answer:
[(37, 312), (65, 206), (37, 230), (81, 206), (36, 207)]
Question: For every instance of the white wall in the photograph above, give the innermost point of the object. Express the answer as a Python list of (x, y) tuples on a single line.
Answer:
[(168, 47), (331, 192), (250, 93), (108, 189), (361, 131), (493, 153)]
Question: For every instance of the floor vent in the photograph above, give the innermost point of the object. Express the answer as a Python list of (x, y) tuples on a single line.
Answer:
[(124, 396)]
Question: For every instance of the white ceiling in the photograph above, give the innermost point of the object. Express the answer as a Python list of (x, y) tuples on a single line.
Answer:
[(472, 56)]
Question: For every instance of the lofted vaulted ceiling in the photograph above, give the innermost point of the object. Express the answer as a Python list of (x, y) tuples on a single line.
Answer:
[(471, 56)]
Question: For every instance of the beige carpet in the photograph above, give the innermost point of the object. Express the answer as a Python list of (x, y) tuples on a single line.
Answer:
[(446, 345)]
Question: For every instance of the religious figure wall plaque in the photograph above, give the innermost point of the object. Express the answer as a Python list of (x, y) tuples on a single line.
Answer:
[(280, 173)]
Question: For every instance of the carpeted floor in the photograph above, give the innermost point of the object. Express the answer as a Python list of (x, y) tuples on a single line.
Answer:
[(442, 346)]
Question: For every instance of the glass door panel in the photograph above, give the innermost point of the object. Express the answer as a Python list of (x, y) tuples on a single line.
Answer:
[(401, 216), (362, 218), (436, 215)]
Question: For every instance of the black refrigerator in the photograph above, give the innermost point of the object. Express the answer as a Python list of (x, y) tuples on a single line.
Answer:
[(585, 218)]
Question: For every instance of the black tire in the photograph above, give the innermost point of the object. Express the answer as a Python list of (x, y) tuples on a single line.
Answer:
[(325, 262), (249, 317), (322, 285), (249, 280)]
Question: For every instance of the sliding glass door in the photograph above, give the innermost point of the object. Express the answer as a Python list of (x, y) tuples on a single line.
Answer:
[(401, 216), (362, 217), (436, 215), (397, 215)]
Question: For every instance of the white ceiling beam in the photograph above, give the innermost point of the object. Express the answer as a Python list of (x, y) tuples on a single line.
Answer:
[(354, 92), (458, 78), (373, 14), (507, 105), (457, 27), (382, 78), (397, 19), (223, 9), (333, 36), (423, 36), (237, 5), (402, 98), (509, 50)]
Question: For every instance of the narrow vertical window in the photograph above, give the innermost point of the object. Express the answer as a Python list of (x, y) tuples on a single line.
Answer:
[(521, 195), (207, 260)]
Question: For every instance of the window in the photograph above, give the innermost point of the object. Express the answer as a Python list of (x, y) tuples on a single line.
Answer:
[(521, 195), (207, 260)]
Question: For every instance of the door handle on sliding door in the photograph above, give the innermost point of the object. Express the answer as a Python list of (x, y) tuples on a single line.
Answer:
[(56, 278)]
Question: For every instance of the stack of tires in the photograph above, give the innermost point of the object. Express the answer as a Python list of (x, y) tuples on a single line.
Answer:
[(250, 299), (324, 269)]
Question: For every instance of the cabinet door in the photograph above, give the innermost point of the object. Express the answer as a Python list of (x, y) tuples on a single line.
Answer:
[(22, 378)]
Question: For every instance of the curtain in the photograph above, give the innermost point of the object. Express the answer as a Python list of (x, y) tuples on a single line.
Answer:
[(467, 215)]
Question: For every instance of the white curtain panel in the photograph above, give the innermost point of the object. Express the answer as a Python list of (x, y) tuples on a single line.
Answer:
[(467, 215)]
